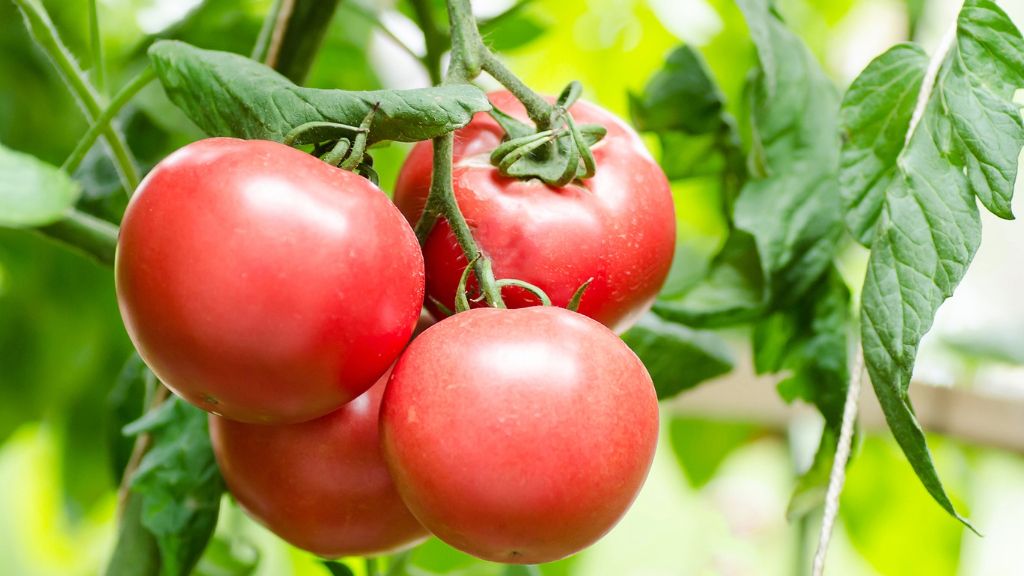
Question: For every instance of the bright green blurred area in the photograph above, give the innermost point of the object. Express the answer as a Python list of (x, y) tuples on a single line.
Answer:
[(716, 499)]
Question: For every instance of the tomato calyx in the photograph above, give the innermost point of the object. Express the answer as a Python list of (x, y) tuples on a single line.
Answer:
[(557, 154), (462, 299), (337, 144)]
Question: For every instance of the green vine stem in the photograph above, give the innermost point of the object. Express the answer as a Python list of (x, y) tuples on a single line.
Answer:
[(469, 57), (96, 47), (442, 202), (45, 35), (88, 234), (103, 120)]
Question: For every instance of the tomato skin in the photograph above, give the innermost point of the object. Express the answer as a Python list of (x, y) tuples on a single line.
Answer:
[(519, 436), (617, 227), (321, 485), (262, 284)]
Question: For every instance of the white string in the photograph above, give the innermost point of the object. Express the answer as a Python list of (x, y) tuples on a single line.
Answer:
[(838, 474)]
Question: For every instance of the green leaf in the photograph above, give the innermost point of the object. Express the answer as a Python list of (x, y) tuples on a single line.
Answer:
[(684, 106), (229, 95), (977, 88), (136, 552), (791, 207), (965, 147), (787, 211), (512, 31), (32, 192), (875, 115), (678, 358), (681, 97), (810, 342), (179, 482), (760, 19), (733, 292), (701, 445)]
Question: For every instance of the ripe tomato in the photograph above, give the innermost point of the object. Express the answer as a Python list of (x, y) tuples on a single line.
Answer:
[(321, 485), (519, 436), (617, 227), (262, 284)]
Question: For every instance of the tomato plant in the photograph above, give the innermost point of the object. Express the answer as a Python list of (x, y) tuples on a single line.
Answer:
[(795, 223), (262, 284), (519, 435), (321, 485), (615, 230)]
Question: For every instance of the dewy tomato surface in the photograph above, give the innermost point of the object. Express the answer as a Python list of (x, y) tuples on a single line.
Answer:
[(519, 436), (262, 284), (617, 227)]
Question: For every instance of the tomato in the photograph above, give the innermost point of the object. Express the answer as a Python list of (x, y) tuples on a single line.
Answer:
[(519, 436), (321, 485), (262, 284), (617, 227)]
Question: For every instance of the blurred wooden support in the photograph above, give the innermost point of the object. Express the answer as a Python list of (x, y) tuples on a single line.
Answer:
[(966, 415)]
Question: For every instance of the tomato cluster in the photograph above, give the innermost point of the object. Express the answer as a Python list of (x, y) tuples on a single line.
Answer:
[(279, 293)]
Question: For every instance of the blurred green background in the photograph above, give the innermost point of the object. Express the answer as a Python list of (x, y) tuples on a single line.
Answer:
[(716, 499)]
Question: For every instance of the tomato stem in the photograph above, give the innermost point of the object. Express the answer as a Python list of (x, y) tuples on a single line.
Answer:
[(473, 56), (45, 35), (91, 235), (442, 202), (103, 120)]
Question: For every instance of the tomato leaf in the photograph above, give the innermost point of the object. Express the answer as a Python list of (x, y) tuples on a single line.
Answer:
[(179, 483), (791, 204), (964, 147), (137, 552), (32, 192), (733, 291), (684, 78), (678, 358), (875, 115), (683, 105), (692, 135), (810, 342), (229, 95), (785, 208)]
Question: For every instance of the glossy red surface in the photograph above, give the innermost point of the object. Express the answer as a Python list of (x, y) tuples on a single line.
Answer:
[(519, 436), (617, 227), (262, 284), (321, 485)]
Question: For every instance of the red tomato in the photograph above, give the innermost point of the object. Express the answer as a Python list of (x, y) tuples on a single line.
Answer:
[(519, 436), (321, 485), (617, 227), (262, 284)]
